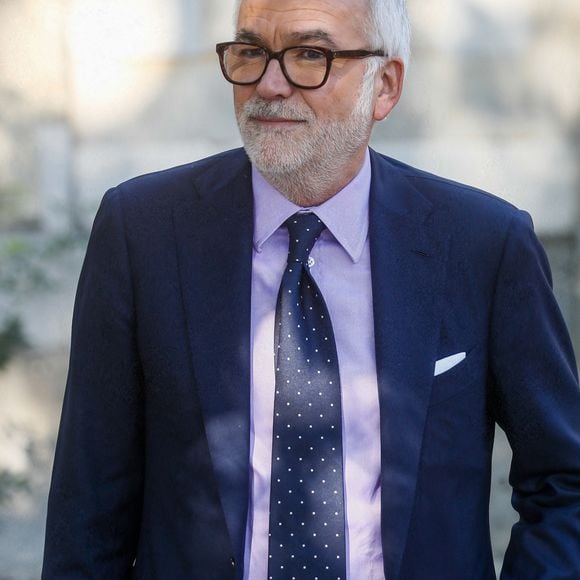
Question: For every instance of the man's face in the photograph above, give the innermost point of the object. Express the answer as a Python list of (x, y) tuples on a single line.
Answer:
[(283, 127)]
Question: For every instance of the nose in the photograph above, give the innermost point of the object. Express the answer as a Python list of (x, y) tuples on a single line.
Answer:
[(274, 84)]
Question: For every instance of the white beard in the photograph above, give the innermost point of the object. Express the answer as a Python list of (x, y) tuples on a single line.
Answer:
[(306, 166)]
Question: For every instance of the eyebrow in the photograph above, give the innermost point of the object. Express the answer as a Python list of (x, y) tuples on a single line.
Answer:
[(244, 35), (318, 35), (313, 35)]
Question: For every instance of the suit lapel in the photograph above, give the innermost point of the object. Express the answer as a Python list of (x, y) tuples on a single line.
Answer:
[(407, 260), (214, 233)]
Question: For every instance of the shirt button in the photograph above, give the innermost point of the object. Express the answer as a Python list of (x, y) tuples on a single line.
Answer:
[(233, 562), (311, 262)]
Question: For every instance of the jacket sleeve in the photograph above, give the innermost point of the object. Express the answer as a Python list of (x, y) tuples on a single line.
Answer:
[(96, 491), (537, 403)]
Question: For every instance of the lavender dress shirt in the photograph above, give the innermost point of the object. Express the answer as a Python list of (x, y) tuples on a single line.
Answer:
[(343, 273)]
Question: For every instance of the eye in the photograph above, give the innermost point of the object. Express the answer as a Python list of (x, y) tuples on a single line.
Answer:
[(248, 52), (309, 54)]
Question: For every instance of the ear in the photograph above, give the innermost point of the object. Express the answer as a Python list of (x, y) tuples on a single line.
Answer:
[(390, 88)]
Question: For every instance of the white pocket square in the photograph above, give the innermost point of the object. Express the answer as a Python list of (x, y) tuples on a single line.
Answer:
[(447, 363)]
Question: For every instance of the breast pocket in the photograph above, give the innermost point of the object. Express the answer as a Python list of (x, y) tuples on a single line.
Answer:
[(456, 372)]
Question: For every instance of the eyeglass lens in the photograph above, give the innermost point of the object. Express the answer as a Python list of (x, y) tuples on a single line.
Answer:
[(304, 66)]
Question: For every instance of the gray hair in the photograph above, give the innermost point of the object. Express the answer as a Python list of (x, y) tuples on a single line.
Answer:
[(387, 26)]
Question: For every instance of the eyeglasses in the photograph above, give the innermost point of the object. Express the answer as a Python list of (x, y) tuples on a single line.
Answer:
[(305, 67)]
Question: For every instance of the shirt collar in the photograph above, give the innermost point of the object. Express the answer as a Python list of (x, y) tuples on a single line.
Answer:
[(346, 214)]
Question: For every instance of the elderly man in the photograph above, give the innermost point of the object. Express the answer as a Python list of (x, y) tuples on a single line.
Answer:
[(287, 362)]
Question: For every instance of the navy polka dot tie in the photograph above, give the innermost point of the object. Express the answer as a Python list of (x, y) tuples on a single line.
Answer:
[(307, 517)]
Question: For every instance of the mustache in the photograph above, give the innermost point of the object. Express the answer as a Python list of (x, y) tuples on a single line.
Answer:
[(263, 109)]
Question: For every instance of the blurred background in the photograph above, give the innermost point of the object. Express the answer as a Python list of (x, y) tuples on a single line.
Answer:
[(93, 92)]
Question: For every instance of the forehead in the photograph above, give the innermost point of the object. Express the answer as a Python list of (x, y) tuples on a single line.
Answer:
[(280, 21)]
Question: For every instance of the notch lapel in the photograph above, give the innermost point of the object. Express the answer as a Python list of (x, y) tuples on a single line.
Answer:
[(408, 262), (214, 233)]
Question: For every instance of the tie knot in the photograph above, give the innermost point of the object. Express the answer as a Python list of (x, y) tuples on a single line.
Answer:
[(303, 229)]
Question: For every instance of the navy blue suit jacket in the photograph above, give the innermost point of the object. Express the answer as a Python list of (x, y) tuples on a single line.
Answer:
[(151, 476)]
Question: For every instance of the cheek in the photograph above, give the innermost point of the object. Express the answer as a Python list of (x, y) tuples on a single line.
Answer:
[(241, 96), (334, 104), (339, 96)]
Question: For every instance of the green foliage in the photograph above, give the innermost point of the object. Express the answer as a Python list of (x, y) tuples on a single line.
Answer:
[(12, 340), (11, 483), (27, 266)]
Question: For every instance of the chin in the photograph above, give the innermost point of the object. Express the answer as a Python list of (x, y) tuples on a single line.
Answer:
[(276, 158)]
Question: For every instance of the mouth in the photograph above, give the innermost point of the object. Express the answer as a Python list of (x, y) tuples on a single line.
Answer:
[(276, 121)]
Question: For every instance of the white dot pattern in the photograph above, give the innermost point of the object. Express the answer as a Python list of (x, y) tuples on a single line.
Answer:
[(307, 498)]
